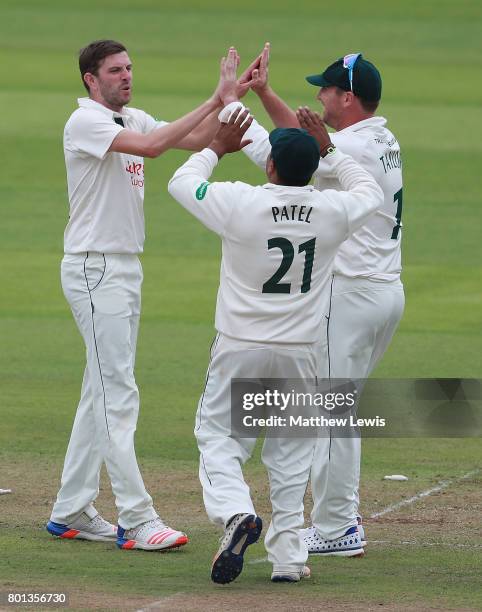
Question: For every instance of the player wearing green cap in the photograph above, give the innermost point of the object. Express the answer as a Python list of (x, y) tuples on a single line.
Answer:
[(366, 296), (274, 289)]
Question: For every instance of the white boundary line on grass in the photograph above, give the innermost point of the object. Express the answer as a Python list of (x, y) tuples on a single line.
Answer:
[(155, 605), (256, 561), (421, 544), (443, 484)]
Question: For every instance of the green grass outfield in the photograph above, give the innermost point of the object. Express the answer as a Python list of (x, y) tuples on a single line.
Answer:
[(430, 56)]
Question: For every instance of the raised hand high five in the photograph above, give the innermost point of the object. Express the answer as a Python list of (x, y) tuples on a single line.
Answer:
[(255, 76), (229, 137), (226, 90)]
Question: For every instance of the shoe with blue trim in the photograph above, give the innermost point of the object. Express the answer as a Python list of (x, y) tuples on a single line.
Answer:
[(85, 527), (241, 531), (349, 545)]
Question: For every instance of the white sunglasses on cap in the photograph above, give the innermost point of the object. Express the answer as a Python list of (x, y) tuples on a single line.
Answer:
[(349, 63)]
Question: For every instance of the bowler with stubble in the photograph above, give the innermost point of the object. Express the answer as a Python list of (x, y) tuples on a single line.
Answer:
[(105, 142)]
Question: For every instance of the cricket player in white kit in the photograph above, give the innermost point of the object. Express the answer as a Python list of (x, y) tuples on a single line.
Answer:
[(104, 145), (267, 321), (366, 294)]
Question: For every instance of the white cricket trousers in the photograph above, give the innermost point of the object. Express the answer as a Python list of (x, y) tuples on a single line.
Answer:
[(104, 293), (288, 460), (363, 317)]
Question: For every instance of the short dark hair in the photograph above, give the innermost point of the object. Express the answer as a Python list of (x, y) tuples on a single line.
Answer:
[(91, 56), (369, 107), (290, 182)]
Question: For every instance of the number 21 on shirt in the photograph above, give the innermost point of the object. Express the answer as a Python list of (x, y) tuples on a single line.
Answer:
[(273, 285)]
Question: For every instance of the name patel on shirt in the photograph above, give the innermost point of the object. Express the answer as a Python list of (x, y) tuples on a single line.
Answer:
[(292, 212)]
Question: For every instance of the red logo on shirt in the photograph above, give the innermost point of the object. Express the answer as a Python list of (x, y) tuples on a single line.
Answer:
[(136, 169)]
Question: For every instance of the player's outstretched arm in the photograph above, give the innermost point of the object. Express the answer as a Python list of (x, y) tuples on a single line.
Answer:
[(161, 139), (174, 135), (200, 136), (256, 77), (280, 113)]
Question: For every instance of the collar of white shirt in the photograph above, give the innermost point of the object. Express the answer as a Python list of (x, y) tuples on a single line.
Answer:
[(360, 125), (289, 188), (92, 104)]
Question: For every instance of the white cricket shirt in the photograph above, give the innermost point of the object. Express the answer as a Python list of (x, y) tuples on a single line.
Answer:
[(106, 190), (278, 244), (374, 251)]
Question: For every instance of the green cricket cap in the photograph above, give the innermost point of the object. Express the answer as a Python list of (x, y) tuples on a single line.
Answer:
[(295, 153), (367, 82)]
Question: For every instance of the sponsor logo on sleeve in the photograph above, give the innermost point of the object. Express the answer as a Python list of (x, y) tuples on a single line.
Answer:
[(201, 191)]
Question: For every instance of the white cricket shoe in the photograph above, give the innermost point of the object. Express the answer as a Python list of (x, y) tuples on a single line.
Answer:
[(85, 527), (151, 535), (309, 532), (349, 545), (242, 530), (290, 576)]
